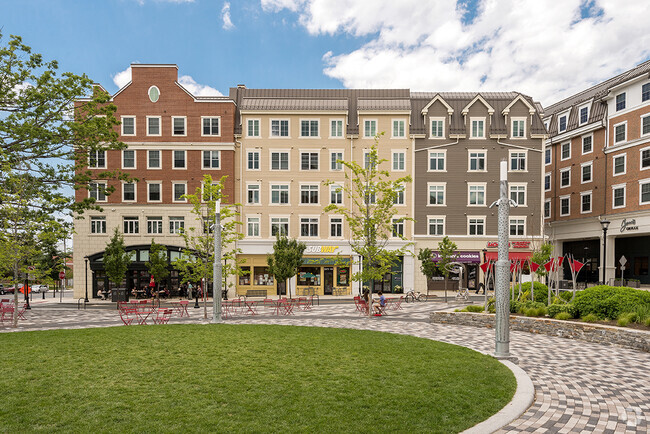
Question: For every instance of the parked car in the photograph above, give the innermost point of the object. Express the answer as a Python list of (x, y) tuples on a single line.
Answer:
[(40, 288), (7, 290)]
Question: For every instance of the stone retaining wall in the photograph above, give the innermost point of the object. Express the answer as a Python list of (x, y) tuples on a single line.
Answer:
[(602, 334)]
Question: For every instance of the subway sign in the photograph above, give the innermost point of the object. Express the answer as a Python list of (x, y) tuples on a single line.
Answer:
[(318, 250)]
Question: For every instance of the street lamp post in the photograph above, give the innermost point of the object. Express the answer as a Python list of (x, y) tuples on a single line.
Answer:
[(605, 224), (86, 299)]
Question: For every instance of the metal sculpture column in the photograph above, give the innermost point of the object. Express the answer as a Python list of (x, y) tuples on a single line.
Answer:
[(217, 267)]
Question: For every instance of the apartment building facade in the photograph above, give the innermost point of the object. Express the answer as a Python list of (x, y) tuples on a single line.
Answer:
[(173, 139), (459, 141), (597, 159)]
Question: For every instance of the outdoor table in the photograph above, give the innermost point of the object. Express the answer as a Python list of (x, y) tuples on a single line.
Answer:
[(180, 307), (251, 307)]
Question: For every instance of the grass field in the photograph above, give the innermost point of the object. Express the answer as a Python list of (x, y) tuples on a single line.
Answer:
[(243, 378)]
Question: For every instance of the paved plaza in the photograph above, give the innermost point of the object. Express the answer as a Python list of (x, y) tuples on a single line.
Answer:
[(579, 386)]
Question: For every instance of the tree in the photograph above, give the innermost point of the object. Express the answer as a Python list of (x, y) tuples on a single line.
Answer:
[(157, 263), (116, 260), (447, 254), (541, 256), (371, 214), (427, 266), (286, 259)]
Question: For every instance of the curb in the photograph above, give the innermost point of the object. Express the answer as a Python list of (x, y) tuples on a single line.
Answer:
[(521, 401)]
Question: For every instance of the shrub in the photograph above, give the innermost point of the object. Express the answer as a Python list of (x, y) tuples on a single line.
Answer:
[(474, 308), (647, 322), (555, 309), (541, 292), (535, 311), (491, 305), (563, 316), (590, 318), (514, 306), (623, 321), (609, 301), (643, 313)]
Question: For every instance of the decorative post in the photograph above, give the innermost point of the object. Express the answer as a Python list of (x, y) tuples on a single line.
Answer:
[(86, 299), (605, 224), (502, 293), (217, 267)]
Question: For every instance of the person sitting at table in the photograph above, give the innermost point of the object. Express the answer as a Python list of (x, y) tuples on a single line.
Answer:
[(379, 304)]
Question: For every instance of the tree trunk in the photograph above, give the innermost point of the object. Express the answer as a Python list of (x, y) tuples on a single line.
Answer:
[(446, 277)]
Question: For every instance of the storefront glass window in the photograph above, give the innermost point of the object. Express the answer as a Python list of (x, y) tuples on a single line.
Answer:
[(262, 277), (245, 278), (309, 276), (343, 276)]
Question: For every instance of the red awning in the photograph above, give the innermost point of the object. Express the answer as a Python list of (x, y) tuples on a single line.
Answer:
[(514, 256)]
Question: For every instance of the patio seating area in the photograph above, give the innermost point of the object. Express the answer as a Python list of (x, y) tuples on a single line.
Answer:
[(8, 310)]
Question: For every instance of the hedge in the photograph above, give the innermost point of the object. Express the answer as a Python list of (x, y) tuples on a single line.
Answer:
[(608, 302)]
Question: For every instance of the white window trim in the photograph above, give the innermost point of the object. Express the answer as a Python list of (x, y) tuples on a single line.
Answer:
[(149, 93), (210, 135), (565, 169), (392, 128), (135, 192), (135, 159), (98, 166), (329, 227), (591, 202), (271, 136), (566, 124), (329, 162), (203, 184), (518, 217), (259, 192), (160, 152), (568, 197), (517, 151), (271, 152), (135, 125), (176, 230), (588, 113), (624, 155), (184, 126), (259, 121), (259, 159), (157, 219), (161, 191), (444, 195), (130, 234), (364, 128), (643, 116), (329, 133), (97, 218), (477, 184), (404, 196), (550, 184), (279, 216), (444, 225), (616, 102), (300, 136), (271, 194), (582, 144), (173, 191), (219, 158), (444, 127), (588, 163), (437, 151), (641, 168), (308, 216), (569, 157), (403, 223), (520, 184), (471, 128), (311, 184), (309, 151), (392, 161), (512, 129), (476, 217), (615, 187), (643, 182), (331, 187), (614, 132), (550, 149), (105, 184), (184, 159), (159, 126), (469, 160), (550, 211), (259, 225)]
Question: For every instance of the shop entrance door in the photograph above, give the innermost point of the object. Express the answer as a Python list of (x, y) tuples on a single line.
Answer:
[(328, 280)]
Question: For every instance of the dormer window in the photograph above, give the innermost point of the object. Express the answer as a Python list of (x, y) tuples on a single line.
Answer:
[(478, 128), (584, 115), (437, 127), (561, 122)]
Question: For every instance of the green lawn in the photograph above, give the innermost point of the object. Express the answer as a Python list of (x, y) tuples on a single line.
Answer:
[(243, 378)]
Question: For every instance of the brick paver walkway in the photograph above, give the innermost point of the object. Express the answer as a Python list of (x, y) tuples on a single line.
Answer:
[(580, 386)]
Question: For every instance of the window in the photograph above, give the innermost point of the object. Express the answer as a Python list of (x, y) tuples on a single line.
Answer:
[(253, 194), (645, 158), (336, 194), (309, 194), (436, 225), (253, 129), (211, 159), (517, 161), (279, 128), (179, 191), (399, 195), (253, 226), (97, 191), (547, 182), (620, 101), (517, 226), (547, 156), (309, 161), (131, 225), (398, 128), (398, 228), (128, 192), (399, 161), (565, 177), (309, 128), (477, 161), (587, 145), (154, 193), (561, 123), (644, 192), (437, 128), (210, 126), (476, 226), (369, 128), (98, 225), (279, 161), (178, 126), (619, 164), (279, 225), (153, 159), (518, 194), (618, 196), (645, 92), (437, 161), (179, 159), (309, 227), (336, 227), (566, 151), (547, 209), (153, 125), (436, 194), (280, 194), (335, 161), (336, 128), (367, 157), (154, 93), (584, 115), (565, 205), (620, 133), (478, 130), (476, 194), (585, 202), (128, 125), (518, 128), (369, 197), (645, 125), (97, 159), (154, 225), (253, 158), (128, 159), (176, 225), (587, 169)]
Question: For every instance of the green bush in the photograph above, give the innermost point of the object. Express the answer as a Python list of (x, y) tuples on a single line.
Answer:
[(492, 305), (569, 309), (590, 318), (647, 322), (534, 311), (623, 321), (541, 292), (563, 316), (609, 302), (643, 313), (474, 308)]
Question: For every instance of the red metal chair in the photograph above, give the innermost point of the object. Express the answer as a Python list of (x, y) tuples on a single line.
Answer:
[(7, 312), (162, 316)]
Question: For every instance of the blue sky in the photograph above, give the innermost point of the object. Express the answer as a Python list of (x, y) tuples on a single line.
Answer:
[(547, 49)]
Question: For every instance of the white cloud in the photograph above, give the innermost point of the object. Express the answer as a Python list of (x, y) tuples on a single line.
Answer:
[(122, 78), (544, 49), (225, 16)]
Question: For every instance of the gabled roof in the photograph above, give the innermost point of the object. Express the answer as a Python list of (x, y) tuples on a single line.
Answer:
[(478, 97), (438, 97), (531, 109)]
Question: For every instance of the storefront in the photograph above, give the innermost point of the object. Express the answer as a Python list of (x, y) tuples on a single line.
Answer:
[(470, 261)]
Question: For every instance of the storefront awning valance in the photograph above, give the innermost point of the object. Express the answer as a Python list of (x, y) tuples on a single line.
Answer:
[(325, 261)]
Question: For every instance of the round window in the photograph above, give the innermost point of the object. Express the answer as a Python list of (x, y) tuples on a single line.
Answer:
[(154, 93)]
